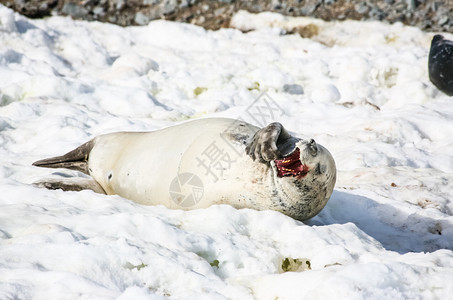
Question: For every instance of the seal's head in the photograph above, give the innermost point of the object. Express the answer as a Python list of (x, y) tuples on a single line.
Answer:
[(311, 168), (306, 157)]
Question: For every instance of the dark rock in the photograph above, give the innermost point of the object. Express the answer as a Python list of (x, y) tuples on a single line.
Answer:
[(440, 64)]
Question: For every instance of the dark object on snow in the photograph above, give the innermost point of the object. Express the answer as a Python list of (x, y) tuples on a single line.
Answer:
[(440, 64)]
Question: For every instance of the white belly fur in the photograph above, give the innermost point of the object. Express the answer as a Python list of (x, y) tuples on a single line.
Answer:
[(143, 165)]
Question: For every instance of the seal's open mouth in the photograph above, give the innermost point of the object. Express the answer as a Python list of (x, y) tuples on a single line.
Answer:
[(291, 165)]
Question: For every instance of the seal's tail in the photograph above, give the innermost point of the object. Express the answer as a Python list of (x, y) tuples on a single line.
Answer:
[(76, 159)]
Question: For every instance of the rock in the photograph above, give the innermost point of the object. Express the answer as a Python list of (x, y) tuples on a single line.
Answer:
[(99, 11), (310, 7), (74, 10), (169, 6), (433, 15), (293, 89), (443, 20), (361, 8), (141, 19), (120, 4)]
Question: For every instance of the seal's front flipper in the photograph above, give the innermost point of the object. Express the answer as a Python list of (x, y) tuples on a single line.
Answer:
[(74, 160), (70, 184), (271, 142)]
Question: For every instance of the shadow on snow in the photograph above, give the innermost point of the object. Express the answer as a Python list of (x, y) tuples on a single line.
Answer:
[(400, 230)]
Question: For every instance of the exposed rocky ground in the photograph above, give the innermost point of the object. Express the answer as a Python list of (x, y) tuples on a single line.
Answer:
[(430, 15)]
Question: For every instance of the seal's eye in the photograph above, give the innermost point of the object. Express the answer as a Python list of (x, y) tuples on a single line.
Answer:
[(312, 147)]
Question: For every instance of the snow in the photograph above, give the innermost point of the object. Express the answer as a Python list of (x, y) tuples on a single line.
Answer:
[(361, 89)]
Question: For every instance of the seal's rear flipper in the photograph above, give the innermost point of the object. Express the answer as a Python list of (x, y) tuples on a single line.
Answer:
[(74, 160), (70, 184)]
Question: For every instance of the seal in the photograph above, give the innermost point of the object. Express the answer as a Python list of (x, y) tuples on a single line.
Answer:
[(440, 64), (204, 162)]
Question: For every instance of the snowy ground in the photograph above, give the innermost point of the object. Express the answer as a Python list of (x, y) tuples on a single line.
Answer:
[(360, 89)]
